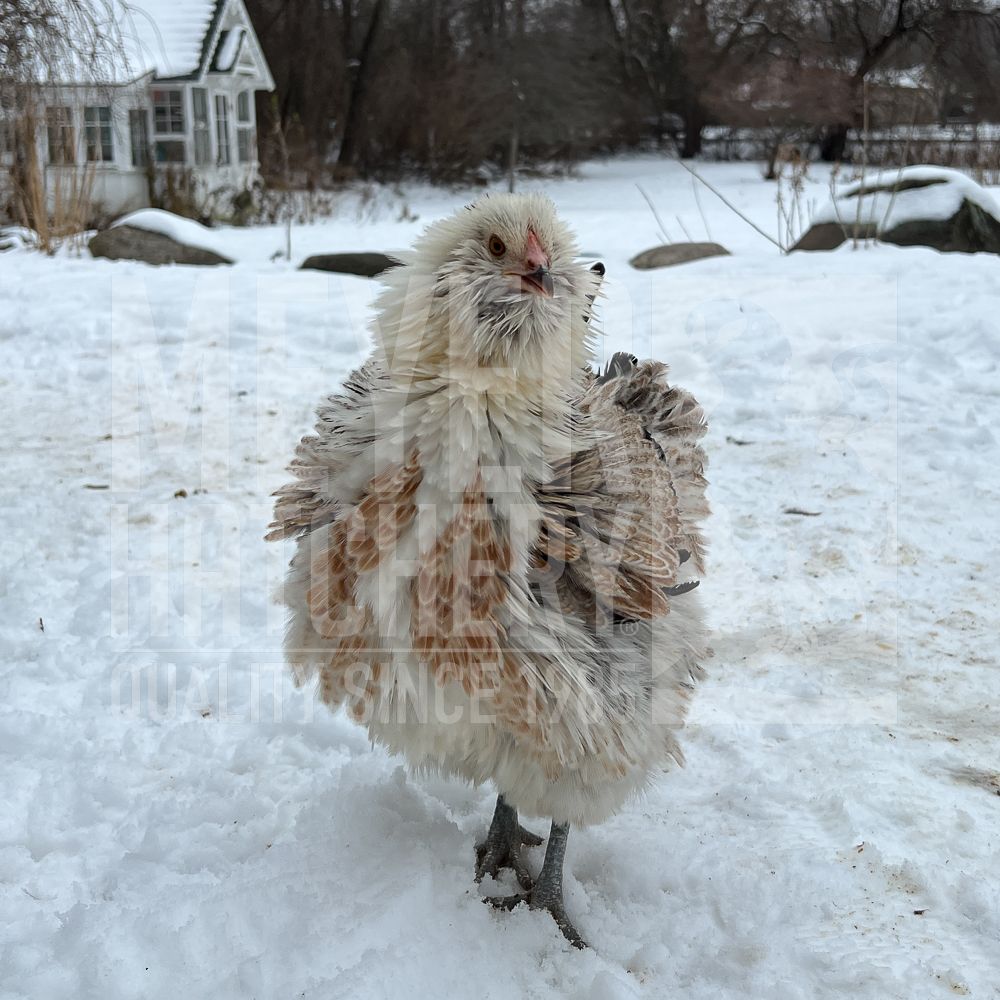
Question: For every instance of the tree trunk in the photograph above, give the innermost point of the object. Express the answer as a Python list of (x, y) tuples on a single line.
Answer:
[(772, 163), (694, 123), (512, 154), (833, 143), (354, 118)]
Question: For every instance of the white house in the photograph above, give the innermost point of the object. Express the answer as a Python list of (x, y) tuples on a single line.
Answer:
[(174, 98)]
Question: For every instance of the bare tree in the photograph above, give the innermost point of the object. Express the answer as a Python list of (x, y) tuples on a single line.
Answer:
[(863, 36), (681, 52), (447, 87), (43, 42), (362, 72)]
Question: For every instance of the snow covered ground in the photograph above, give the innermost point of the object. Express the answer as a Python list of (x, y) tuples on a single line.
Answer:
[(179, 821)]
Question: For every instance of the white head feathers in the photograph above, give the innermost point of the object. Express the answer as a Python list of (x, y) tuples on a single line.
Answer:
[(493, 290)]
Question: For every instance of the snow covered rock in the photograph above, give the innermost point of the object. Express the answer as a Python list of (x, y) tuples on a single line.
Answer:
[(367, 265), (676, 253), (158, 237), (17, 238), (915, 206)]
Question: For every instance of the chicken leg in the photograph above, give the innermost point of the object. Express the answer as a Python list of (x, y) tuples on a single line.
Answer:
[(547, 892), (502, 846)]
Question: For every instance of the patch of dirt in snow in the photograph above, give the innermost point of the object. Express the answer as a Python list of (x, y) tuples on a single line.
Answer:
[(989, 781)]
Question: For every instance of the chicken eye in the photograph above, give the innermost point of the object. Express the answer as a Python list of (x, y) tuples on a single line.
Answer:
[(497, 246)]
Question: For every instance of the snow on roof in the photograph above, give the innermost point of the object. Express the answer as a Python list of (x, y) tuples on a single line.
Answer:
[(117, 41), (229, 49), (166, 36), (892, 197)]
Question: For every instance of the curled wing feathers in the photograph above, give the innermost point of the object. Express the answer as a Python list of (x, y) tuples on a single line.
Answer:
[(342, 432), (620, 517), (674, 421)]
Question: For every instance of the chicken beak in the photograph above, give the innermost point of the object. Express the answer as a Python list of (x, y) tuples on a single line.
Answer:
[(536, 266), (541, 280)]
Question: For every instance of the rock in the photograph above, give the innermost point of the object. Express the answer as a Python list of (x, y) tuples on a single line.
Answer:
[(970, 230), (916, 206), (829, 235), (367, 265), (124, 242), (676, 253)]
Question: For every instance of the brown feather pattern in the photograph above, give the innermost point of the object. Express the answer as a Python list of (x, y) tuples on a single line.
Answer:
[(352, 546), (616, 516), (303, 504), (458, 598)]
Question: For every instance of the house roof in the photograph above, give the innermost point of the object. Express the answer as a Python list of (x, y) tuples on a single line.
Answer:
[(163, 37), (118, 41)]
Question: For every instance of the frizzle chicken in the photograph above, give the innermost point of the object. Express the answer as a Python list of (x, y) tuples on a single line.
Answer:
[(498, 548)]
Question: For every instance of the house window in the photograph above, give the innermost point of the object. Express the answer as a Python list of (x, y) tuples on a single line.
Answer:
[(62, 142), (97, 135), (222, 129), (202, 138), (138, 131), (244, 145), (168, 112), (170, 151), (244, 130)]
